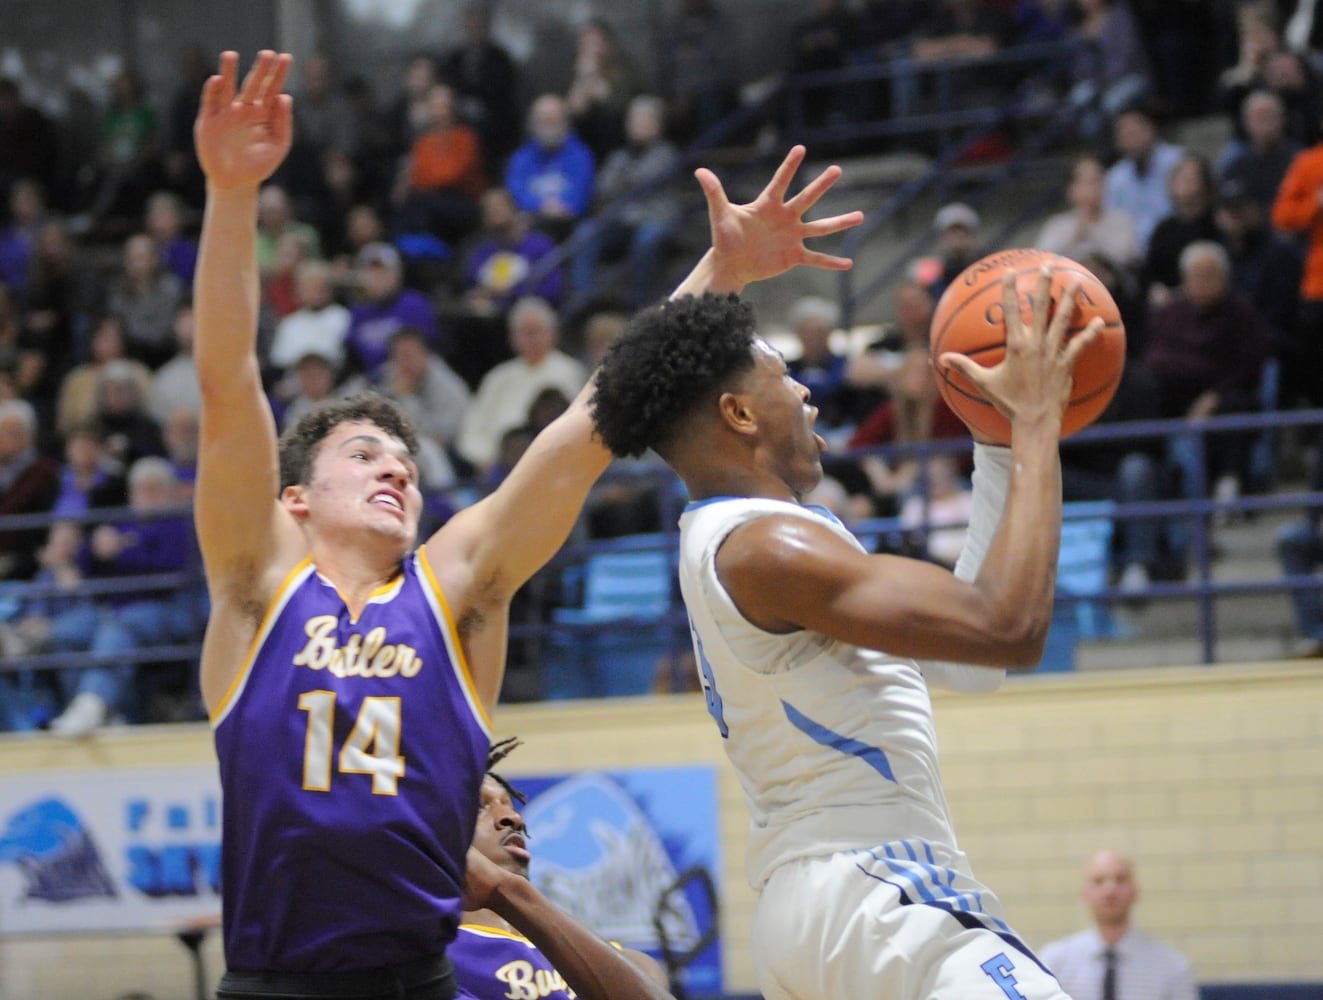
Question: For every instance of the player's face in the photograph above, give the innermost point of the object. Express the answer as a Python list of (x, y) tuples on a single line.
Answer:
[(364, 477), (501, 836), (786, 421)]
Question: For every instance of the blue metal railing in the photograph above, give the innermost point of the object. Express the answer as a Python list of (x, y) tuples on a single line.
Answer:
[(1197, 512)]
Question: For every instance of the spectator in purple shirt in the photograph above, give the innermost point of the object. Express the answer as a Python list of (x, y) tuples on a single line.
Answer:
[(386, 308), (116, 624)]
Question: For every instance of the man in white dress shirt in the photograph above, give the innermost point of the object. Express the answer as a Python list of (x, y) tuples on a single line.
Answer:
[(1114, 960)]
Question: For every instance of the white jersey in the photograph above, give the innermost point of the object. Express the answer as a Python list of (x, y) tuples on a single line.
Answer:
[(834, 744)]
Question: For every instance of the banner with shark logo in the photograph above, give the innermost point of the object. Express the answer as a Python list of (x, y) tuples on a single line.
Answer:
[(128, 849), (634, 855)]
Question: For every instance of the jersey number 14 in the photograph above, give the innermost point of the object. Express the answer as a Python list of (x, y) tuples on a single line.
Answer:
[(372, 747)]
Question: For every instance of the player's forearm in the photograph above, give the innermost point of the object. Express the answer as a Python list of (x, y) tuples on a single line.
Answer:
[(592, 967), (1018, 575), (709, 275), (225, 290)]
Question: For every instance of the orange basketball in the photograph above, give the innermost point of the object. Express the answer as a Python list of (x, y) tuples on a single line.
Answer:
[(968, 320)]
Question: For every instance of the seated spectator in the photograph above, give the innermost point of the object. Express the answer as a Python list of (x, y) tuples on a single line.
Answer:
[(275, 218), (1190, 188), (29, 142), (486, 81), (1258, 40), (1206, 349), (506, 392), (696, 66), (1137, 182), (29, 698), (21, 353), (64, 296), (914, 413), (438, 191), (940, 513), (819, 369), (604, 83), (175, 384), (91, 477), (1088, 226), (551, 174), (1290, 76), (498, 267), (320, 323), (960, 28), (1265, 267), (1296, 212), (145, 297), (121, 410), (1260, 161), (29, 484), (181, 432), (27, 212), (77, 400), (601, 329), (279, 298), (116, 624), (643, 227), (432, 396), (1300, 552), (957, 228), (164, 223), (384, 308), (314, 380), (1110, 67), (128, 164), (409, 114), (324, 127)]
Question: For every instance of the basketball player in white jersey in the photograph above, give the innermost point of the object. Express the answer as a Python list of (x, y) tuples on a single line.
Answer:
[(816, 657)]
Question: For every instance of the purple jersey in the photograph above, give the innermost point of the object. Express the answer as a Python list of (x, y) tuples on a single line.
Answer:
[(493, 964), (351, 757)]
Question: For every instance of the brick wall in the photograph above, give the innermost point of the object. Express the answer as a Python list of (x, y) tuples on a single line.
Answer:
[(1211, 777)]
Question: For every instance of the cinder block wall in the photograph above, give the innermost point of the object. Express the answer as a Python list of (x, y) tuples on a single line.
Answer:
[(1211, 777)]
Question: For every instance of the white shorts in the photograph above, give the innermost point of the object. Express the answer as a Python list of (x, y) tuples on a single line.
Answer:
[(893, 923)]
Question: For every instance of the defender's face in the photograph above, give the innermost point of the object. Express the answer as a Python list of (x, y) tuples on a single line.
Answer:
[(501, 836), (785, 421), (363, 477)]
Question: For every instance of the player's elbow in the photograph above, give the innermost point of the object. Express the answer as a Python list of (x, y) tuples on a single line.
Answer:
[(1021, 637)]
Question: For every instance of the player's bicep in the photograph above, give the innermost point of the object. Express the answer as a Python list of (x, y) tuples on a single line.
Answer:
[(787, 573)]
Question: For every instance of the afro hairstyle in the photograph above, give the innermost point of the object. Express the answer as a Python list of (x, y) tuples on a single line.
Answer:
[(670, 358)]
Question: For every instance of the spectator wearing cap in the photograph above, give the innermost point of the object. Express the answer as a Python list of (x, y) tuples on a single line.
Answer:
[(1297, 210), (29, 484), (1265, 267), (957, 243), (1088, 226), (384, 308), (1137, 182), (1261, 160), (508, 390)]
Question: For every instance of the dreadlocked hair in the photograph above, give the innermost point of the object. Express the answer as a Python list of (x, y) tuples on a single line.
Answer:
[(670, 358), (498, 752), (299, 444)]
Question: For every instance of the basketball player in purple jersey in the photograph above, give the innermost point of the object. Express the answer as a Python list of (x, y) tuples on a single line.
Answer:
[(348, 671), (513, 941)]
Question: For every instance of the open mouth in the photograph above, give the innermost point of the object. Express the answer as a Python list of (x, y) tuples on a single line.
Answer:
[(516, 845), (390, 500)]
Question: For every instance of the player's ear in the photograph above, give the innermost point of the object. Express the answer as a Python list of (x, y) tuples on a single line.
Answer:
[(736, 414), (294, 500)]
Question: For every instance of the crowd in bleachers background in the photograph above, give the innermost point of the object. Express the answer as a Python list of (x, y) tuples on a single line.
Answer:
[(413, 242)]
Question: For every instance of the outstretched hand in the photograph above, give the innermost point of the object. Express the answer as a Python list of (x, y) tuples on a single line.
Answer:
[(1034, 379), (243, 133), (766, 237)]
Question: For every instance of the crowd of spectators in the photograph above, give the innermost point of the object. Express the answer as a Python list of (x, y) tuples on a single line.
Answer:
[(436, 244)]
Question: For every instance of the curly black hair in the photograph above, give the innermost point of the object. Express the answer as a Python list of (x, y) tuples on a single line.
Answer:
[(670, 358), (498, 752), (299, 444)]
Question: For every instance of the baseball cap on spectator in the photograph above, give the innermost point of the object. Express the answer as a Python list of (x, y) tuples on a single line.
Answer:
[(379, 255), (956, 214)]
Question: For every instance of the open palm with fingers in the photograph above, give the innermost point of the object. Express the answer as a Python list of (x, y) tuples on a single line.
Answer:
[(765, 237), (242, 133)]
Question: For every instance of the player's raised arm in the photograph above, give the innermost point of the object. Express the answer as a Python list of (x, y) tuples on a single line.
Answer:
[(515, 531), (242, 133)]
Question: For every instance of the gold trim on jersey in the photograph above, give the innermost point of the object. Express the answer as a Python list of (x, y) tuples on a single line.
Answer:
[(278, 601), (451, 634), (383, 594)]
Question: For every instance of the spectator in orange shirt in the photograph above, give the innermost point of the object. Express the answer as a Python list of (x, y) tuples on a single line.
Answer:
[(1299, 209), (439, 189)]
